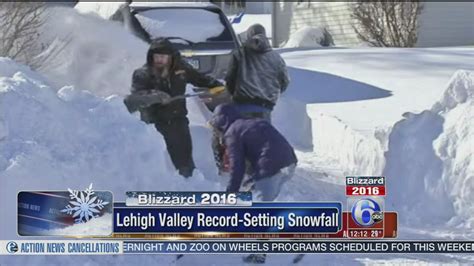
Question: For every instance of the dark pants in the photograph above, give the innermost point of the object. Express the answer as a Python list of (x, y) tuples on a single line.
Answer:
[(178, 142)]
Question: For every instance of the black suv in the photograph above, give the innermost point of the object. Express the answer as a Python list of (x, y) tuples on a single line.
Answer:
[(201, 32)]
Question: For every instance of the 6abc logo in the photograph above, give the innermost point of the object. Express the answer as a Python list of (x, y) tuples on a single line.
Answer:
[(366, 212)]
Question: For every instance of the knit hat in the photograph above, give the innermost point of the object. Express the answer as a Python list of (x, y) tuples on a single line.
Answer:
[(160, 46)]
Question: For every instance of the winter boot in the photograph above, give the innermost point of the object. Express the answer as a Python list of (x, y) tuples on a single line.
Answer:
[(186, 171)]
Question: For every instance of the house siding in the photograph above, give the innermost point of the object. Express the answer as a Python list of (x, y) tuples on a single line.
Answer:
[(335, 17), (446, 24), (441, 23)]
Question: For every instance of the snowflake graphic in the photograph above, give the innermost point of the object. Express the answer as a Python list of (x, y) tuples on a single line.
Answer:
[(83, 206)]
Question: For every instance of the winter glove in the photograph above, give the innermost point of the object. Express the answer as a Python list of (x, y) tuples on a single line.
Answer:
[(144, 99), (216, 90), (161, 97)]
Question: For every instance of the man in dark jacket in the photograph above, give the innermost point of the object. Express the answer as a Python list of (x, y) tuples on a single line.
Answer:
[(271, 157), (257, 75), (164, 76)]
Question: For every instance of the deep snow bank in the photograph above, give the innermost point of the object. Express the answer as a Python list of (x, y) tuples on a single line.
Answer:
[(291, 119), (71, 138), (430, 162), (325, 136), (357, 153), (101, 9), (90, 53)]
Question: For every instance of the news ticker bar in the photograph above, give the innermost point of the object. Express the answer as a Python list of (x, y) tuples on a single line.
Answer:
[(100, 247)]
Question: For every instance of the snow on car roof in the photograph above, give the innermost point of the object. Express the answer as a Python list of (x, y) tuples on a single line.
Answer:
[(172, 4)]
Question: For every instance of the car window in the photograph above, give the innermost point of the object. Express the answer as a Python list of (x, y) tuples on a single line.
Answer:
[(195, 25)]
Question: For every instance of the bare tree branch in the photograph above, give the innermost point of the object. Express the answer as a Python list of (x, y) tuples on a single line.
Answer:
[(387, 23), (21, 24)]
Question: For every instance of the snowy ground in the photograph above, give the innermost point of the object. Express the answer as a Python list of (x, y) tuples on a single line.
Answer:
[(361, 93), (61, 128), (382, 82)]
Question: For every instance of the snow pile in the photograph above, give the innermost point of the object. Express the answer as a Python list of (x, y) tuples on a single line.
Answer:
[(103, 10), (291, 119), (355, 96), (90, 53), (8, 68), (309, 37), (430, 160), (355, 152), (72, 138)]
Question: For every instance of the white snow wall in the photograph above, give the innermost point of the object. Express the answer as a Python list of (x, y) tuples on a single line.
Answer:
[(90, 53), (427, 157), (430, 162), (357, 153), (68, 139), (291, 119)]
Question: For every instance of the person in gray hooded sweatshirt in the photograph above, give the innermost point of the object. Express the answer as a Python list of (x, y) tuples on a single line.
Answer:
[(255, 78), (257, 75)]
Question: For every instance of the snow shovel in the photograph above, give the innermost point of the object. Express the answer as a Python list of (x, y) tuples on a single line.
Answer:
[(135, 101)]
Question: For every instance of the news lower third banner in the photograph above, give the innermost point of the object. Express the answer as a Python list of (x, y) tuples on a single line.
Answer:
[(261, 217), (199, 215), (101, 247), (155, 215)]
